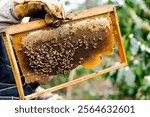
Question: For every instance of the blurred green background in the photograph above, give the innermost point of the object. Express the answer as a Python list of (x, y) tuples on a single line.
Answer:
[(131, 82)]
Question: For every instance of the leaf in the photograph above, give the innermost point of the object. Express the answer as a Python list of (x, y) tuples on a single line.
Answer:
[(120, 75), (134, 46), (129, 77), (126, 75)]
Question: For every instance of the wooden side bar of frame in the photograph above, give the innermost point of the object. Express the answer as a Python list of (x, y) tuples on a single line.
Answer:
[(14, 65), (40, 24)]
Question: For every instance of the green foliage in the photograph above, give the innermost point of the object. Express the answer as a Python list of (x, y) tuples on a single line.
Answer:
[(135, 28)]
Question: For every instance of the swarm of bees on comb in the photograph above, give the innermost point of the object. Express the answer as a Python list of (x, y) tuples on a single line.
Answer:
[(60, 50)]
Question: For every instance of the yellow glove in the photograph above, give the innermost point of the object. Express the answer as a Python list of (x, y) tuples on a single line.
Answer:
[(50, 10)]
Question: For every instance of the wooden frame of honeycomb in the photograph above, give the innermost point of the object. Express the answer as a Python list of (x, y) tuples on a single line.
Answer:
[(18, 31)]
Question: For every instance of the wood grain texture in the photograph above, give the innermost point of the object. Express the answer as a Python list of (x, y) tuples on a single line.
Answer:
[(14, 65)]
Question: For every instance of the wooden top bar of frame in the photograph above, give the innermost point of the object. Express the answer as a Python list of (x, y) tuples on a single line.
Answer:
[(41, 23)]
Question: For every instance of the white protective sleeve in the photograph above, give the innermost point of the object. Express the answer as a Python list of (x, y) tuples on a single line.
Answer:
[(7, 14)]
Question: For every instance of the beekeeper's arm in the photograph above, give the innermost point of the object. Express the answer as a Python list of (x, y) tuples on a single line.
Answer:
[(7, 14), (12, 11)]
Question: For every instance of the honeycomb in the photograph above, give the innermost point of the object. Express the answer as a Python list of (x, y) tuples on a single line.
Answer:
[(54, 51)]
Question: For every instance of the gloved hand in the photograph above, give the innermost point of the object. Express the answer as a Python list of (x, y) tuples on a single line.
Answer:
[(51, 10), (49, 96)]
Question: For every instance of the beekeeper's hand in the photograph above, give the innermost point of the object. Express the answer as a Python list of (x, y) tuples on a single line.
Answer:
[(50, 10), (49, 96)]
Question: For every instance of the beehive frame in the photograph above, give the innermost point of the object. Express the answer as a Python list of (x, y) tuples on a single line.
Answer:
[(40, 24)]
